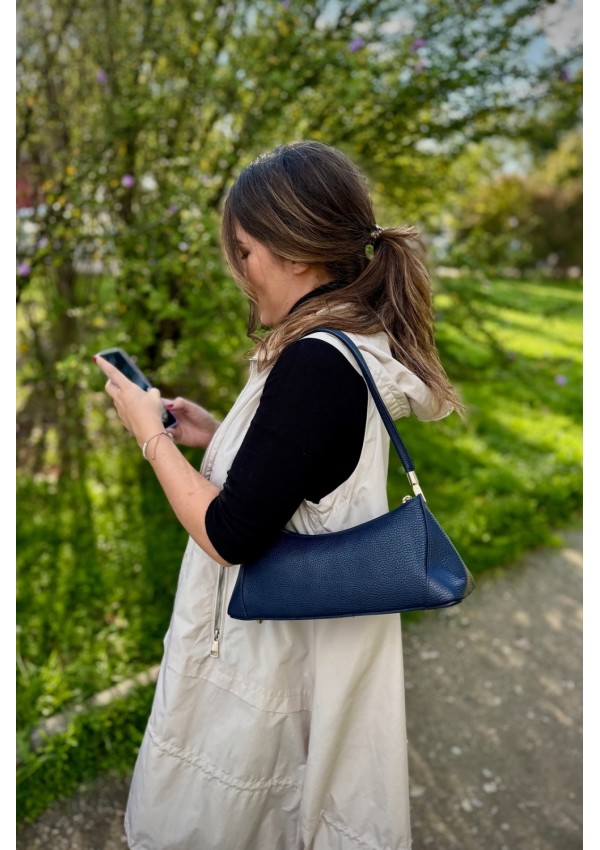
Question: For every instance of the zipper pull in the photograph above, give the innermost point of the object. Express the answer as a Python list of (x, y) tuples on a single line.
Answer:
[(215, 645)]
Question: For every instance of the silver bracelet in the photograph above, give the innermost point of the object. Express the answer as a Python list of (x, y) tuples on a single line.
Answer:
[(155, 437)]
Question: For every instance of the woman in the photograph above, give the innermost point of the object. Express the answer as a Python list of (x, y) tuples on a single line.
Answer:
[(291, 734)]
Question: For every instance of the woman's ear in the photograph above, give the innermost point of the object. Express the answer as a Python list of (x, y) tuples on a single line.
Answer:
[(300, 268)]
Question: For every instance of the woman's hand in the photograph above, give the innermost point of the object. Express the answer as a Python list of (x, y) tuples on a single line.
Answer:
[(139, 411), (195, 425)]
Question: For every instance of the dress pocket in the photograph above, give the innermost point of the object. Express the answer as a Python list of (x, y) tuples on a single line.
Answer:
[(196, 721)]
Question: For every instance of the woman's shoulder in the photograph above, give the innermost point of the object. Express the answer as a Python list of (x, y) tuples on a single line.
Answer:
[(401, 390), (324, 345), (377, 339), (319, 356), (311, 372)]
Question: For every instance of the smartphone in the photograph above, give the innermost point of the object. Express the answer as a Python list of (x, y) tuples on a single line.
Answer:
[(123, 362)]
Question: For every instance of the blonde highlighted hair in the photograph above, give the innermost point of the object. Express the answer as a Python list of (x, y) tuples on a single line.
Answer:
[(307, 202)]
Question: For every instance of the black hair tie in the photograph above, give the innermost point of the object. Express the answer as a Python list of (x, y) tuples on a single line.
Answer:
[(375, 236)]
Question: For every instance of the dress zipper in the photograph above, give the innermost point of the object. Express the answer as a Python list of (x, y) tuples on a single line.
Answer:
[(218, 613), (220, 593)]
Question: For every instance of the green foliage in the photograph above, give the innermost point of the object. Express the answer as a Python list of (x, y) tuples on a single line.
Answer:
[(134, 117), (525, 221), (97, 564), (101, 740)]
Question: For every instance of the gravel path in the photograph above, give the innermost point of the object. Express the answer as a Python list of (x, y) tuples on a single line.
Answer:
[(495, 723), (494, 709)]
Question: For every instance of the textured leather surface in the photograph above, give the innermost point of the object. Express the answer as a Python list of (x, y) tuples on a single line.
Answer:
[(401, 561)]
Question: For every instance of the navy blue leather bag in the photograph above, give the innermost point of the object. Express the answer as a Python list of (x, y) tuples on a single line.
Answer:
[(400, 561)]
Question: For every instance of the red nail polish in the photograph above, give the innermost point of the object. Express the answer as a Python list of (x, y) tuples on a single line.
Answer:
[(94, 357), (168, 405)]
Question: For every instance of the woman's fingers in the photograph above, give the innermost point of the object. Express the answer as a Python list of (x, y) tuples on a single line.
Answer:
[(177, 405), (111, 388), (135, 407), (111, 372)]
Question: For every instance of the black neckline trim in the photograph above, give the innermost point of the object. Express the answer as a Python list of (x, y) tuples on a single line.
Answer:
[(330, 286)]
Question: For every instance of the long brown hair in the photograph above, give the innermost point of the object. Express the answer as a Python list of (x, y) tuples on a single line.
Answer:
[(307, 202)]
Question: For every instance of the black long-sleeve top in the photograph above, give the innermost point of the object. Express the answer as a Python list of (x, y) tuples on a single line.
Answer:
[(304, 440)]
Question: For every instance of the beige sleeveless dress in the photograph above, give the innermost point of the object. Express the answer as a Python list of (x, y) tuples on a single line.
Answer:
[(285, 735)]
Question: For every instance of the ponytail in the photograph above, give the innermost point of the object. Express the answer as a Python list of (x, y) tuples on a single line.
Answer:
[(402, 301)]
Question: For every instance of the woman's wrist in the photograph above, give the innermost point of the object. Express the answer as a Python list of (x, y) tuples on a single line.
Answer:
[(153, 442), (147, 431)]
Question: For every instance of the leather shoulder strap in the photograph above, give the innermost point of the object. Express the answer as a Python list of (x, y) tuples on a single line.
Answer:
[(407, 461)]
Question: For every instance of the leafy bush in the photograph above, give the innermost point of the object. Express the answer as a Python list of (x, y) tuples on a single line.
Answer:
[(95, 742), (525, 221)]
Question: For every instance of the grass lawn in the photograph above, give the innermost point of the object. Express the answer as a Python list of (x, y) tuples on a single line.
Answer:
[(503, 478)]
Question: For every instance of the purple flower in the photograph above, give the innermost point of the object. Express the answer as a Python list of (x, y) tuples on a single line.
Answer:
[(285, 3), (24, 269), (419, 66), (128, 181), (173, 209), (418, 43), (564, 75), (561, 380), (356, 44), (42, 243), (101, 77)]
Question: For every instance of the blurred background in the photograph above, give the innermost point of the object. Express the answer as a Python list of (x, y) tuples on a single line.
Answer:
[(133, 119)]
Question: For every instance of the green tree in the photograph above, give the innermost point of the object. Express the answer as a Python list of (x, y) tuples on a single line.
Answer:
[(135, 115), (524, 220)]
